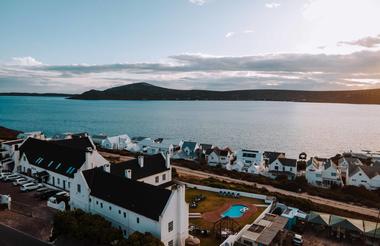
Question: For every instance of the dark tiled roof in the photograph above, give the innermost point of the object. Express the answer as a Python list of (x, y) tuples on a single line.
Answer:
[(272, 156), (288, 162), (64, 157), (190, 145), (141, 198), (205, 146), (370, 171), (153, 164), (221, 152), (83, 143)]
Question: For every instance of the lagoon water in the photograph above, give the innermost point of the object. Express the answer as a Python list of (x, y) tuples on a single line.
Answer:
[(318, 129)]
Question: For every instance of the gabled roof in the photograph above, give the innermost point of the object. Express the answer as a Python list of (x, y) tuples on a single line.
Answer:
[(272, 156), (138, 139), (319, 218), (221, 152), (351, 160), (141, 198), (64, 157), (205, 146), (288, 162), (190, 145), (153, 164), (370, 171)]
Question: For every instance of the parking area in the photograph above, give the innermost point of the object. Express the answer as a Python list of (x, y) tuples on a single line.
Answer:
[(28, 213)]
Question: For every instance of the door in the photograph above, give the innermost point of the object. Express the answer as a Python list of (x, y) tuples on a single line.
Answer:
[(53, 180), (64, 184)]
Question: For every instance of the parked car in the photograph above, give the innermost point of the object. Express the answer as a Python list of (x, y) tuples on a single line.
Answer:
[(42, 189), (11, 177), (3, 174), (18, 181), (45, 195), (30, 186), (297, 239)]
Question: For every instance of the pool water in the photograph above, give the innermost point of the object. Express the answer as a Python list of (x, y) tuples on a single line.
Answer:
[(235, 211)]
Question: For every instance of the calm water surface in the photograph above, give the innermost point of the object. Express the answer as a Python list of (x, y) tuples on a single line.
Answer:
[(318, 129)]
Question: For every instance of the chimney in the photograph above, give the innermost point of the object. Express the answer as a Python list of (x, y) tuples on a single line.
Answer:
[(89, 159), (141, 161), (107, 168), (128, 173), (167, 161)]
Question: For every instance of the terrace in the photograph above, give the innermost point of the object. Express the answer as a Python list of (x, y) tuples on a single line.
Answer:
[(211, 208)]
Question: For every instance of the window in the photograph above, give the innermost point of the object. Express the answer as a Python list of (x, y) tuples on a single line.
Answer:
[(119, 212), (364, 181), (291, 169), (360, 174), (97, 202), (124, 232), (101, 205), (170, 243), (275, 167), (125, 215), (318, 175), (333, 174), (110, 208), (68, 185), (170, 226), (58, 180), (24, 158), (163, 176), (78, 188), (89, 200), (157, 179), (138, 220), (283, 169)]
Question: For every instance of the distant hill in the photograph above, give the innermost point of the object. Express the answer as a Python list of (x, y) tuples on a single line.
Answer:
[(145, 91), (8, 134)]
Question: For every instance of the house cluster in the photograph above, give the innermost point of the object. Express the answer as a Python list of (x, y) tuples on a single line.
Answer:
[(348, 169), (72, 163), (270, 164)]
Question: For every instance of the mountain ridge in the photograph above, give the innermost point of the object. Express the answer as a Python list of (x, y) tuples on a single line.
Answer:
[(145, 91)]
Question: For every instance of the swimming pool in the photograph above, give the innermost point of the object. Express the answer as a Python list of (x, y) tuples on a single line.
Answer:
[(235, 211)]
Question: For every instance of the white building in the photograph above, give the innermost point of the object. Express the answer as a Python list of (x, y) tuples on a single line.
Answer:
[(119, 142), (132, 205), (270, 156), (162, 145), (35, 134), (362, 175), (189, 150), (249, 161), (152, 169), (283, 166), (322, 172), (345, 162), (9, 155), (139, 144), (57, 162), (219, 157)]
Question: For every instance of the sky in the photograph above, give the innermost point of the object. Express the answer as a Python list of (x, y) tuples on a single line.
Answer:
[(73, 46)]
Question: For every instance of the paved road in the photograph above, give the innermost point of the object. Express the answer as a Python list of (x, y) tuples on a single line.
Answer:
[(319, 200), (12, 237)]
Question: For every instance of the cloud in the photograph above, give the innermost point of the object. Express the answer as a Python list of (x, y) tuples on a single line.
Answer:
[(200, 71), (198, 2), (272, 5), (24, 61), (367, 42), (229, 34)]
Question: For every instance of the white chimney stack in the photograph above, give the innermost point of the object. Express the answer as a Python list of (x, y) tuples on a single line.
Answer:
[(128, 173), (167, 160), (141, 161)]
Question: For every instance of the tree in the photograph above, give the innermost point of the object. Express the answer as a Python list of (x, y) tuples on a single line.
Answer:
[(139, 239)]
